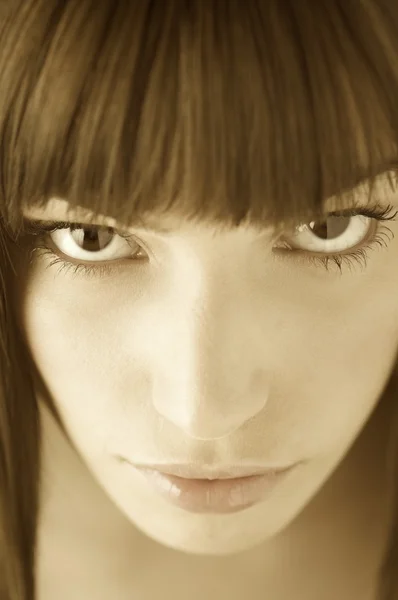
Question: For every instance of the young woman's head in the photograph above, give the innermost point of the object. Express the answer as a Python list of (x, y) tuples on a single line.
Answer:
[(228, 296)]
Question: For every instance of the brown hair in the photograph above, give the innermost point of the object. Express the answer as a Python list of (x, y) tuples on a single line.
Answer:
[(224, 111)]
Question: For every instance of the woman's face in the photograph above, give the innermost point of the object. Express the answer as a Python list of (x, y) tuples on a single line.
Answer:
[(211, 349)]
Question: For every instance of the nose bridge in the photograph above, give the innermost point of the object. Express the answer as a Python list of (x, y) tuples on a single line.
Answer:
[(212, 382)]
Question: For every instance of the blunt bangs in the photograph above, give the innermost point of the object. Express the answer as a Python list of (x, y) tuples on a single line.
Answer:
[(224, 111)]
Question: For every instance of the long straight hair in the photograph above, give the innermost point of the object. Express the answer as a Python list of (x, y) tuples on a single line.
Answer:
[(226, 112)]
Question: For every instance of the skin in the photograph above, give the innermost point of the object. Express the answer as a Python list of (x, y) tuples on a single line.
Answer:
[(213, 353)]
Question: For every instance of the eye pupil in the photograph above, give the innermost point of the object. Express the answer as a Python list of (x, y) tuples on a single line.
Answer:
[(92, 239), (330, 228)]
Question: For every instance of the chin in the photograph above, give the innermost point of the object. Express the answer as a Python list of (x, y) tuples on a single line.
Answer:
[(197, 545), (210, 535)]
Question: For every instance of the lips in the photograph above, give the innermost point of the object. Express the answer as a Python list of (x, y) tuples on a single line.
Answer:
[(218, 493)]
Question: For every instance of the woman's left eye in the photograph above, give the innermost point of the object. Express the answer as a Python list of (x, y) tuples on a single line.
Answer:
[(341, 237)]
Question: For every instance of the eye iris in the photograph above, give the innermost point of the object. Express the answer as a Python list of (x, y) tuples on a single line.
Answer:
[(93, 239), (330, 228)]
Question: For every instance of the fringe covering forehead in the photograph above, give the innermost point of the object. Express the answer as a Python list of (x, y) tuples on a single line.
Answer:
[(224, 111)]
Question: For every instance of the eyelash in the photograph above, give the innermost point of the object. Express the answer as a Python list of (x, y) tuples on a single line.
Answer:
[(359, 256), (94, 271)]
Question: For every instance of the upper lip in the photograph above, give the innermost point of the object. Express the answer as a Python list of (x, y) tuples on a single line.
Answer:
[(206, 472)]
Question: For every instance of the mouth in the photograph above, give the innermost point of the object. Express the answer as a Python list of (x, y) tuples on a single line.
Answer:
[(218, 491), (189, 471)]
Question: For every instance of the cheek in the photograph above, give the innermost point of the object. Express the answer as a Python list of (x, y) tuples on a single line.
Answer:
[(75, 351), (340, 376)]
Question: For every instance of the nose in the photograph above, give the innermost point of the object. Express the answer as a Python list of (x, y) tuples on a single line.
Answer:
[(213, 410), (211, 381)]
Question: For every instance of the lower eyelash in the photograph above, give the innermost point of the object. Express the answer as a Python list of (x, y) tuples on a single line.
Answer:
[(89, 271)]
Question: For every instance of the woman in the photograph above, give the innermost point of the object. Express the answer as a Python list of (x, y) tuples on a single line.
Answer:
[(199, 299)]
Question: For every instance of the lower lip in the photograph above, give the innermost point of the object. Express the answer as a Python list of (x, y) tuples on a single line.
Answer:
[(218, 496)]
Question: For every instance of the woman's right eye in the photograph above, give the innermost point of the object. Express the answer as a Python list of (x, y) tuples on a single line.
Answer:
[(93, 243), (90, 250)]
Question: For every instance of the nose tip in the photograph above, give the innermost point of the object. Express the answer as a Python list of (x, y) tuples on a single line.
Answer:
[(213, 412)]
